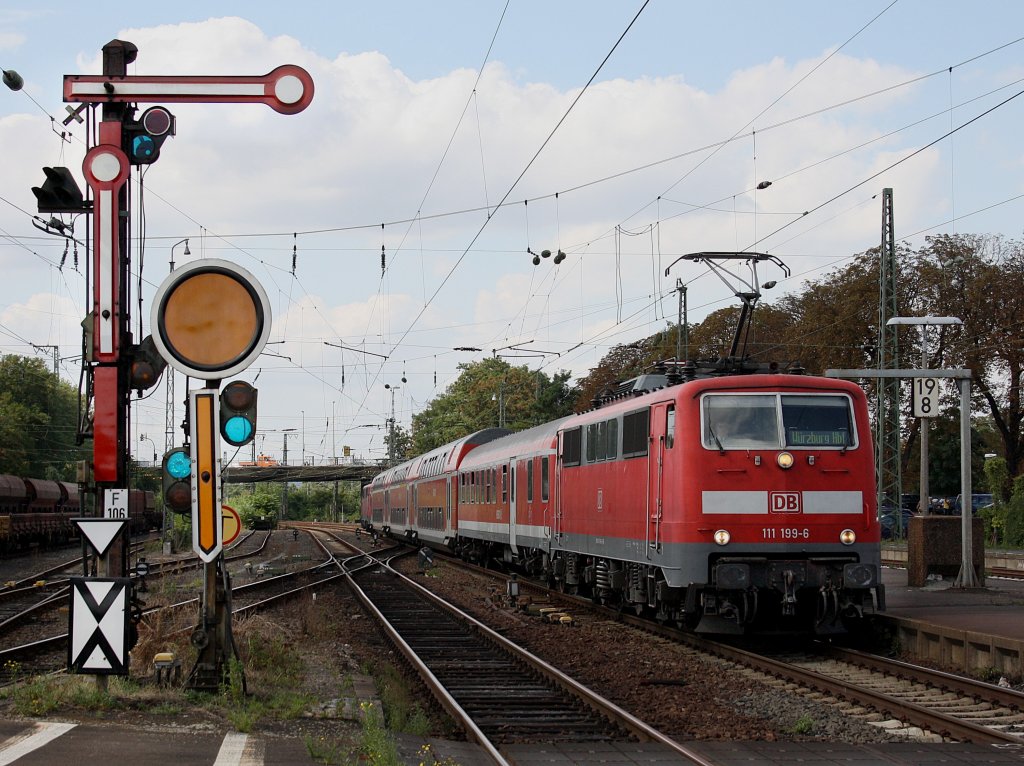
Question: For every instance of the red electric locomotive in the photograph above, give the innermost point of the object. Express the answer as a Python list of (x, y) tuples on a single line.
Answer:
[(726, 497), (727, 504)]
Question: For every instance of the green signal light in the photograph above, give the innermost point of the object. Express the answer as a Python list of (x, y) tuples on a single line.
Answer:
[(179, 465), (238, 429)]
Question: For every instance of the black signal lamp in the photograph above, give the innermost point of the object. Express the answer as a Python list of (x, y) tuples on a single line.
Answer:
[(238, 413), (59, 193), (142, 138), (146, 365)]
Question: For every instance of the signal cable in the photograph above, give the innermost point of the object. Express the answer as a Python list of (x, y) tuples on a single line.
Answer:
[(890, 167), (518, 178)]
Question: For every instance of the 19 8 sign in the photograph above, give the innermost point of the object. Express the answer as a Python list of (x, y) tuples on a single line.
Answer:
[(926, 397)]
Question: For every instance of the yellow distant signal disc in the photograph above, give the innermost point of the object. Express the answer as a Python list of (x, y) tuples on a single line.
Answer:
[(210, 319)]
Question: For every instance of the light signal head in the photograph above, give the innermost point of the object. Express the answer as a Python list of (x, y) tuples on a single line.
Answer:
[(143, 137), (177, 480), (59, 193), (238, 413), (146, 365)]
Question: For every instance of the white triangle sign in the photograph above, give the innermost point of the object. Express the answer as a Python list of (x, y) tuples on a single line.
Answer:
[(100, 532), (97, 661)]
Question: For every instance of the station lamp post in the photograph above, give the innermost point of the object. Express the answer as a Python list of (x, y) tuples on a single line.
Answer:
[(144, 438)]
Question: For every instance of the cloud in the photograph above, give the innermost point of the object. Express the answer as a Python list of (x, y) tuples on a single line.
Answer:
[(307, 201)]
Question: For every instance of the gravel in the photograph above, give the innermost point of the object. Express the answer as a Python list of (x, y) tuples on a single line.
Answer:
[(679, 691)]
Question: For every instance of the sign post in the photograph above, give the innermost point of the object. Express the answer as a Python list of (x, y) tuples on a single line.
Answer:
[(210, 319), (967, 577), (110, 350)]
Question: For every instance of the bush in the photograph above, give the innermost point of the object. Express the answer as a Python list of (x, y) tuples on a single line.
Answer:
[(1015, 515)]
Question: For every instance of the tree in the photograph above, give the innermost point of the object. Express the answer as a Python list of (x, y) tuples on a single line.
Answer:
[(710, 339), (263, 503), (399, 443), (38, 421), (981, 280), (487, 394)]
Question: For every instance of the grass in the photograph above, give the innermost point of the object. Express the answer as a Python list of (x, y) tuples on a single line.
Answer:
[(42, 695), (804, 725), (263, 687)]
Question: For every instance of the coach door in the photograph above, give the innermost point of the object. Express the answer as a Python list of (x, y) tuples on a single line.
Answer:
[(656, 473), (448, 506), (511, 468)]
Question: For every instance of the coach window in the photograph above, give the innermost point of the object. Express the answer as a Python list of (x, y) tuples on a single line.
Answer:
[(670, 426), (529, 480), (544, 479), (504, 484), (611, 451)]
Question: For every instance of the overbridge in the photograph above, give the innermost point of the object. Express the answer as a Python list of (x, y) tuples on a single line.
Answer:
[(245, 474)]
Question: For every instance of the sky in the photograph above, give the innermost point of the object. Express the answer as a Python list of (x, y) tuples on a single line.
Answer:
[(459, 137)]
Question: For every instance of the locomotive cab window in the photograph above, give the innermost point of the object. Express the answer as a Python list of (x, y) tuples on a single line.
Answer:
[(733, 421), (774, 421), (817, 421)]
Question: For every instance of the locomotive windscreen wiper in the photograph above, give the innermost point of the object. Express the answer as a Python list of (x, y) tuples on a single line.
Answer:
[(721, 449)]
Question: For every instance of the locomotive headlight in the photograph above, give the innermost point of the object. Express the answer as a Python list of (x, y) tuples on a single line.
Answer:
[(847, 537), (785, 460), (722, 536)]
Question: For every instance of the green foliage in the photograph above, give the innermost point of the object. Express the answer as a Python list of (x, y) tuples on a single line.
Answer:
[(324, 750), (832, 323), (489, 392), (399, 443), (306, 501), (997, 479), (376, 745), (944, 456), (263, 502), (1015, 515), (803, 725), (38, 421), (42, 695)]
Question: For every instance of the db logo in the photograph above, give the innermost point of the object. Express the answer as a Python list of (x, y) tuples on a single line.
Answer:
[(784, 502)]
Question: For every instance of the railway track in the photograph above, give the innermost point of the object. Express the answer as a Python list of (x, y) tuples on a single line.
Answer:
[(497, 691), (916, 698), (36, 635), (987, 713)]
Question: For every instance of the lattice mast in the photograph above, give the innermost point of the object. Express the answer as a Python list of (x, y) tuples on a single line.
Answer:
[(887, 424)]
